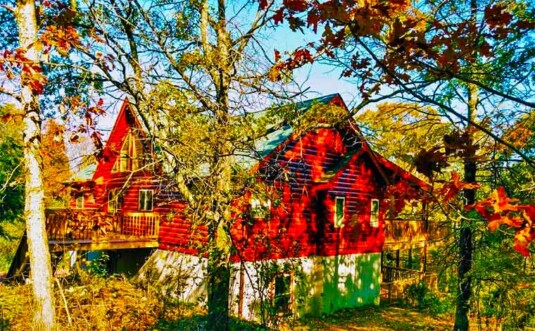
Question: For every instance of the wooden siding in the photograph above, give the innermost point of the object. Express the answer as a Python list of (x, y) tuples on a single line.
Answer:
[(306, 173), (358, 183), (178, 233), (302, 224)]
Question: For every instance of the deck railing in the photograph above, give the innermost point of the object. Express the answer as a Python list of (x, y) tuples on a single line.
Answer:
[(90, 224), (140, 224), (393, 274), (396, 280)]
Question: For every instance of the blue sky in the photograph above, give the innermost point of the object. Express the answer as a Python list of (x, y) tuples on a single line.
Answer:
[(319, 79)]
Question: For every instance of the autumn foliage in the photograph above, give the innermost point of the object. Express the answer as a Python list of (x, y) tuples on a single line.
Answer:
[(58, 34), (409, 38), (498, 209)]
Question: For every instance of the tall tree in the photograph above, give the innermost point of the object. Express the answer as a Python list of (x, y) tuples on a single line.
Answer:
[(194, 69), (37, 30), (42, 282)]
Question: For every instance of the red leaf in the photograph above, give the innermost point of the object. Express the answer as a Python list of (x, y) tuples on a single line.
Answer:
[(501, 202), (6, 117), (278, 17), (523, 239), (277, 56), (295, 5), (262, 4)]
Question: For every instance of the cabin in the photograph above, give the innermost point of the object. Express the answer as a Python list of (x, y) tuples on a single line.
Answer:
[(315, 241)]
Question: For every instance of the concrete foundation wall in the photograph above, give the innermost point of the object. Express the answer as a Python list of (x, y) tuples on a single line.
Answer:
[(319, 285)]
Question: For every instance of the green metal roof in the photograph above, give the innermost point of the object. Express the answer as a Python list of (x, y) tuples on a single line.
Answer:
[(267, 144)]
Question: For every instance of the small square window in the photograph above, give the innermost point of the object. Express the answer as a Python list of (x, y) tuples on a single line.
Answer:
[(339, 211), (115, 201), (80, 201), (145, 200), (374, 213), (260, 208)]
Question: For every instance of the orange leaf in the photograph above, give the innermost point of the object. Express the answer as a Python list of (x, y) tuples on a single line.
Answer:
[(501, 202), (523, 239)]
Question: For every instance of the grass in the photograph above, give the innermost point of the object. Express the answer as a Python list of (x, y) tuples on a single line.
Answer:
[(383, 318)]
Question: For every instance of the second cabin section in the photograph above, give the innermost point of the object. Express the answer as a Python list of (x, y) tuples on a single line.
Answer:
[(119, 204)]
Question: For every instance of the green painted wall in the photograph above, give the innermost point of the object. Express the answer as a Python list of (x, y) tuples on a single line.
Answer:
[(339, 282)]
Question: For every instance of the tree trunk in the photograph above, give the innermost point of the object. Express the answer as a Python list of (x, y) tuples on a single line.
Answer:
[(41, 271), (465, 255), (465, 235), (218, 295)]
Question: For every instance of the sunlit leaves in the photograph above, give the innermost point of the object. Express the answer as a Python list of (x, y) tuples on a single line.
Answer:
[(407, 38), (15, 64), (453, 187), (61, 39), (11, 181), (500, 210)]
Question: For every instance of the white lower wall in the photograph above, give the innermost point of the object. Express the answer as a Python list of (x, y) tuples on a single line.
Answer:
[(320, 284), (177, 275)]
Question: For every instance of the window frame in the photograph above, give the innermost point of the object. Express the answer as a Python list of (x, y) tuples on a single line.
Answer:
[(288, 308), (130, 156), (143, 194), (260, 208), (79, 202), (374, 212), (339, 222), (115, 200)]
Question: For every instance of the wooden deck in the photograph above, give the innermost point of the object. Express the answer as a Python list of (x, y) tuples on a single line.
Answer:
[(71, 229), (404, 234), (91, 230)]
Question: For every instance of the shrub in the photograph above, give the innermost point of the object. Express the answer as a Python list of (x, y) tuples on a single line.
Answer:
[(421, 297)]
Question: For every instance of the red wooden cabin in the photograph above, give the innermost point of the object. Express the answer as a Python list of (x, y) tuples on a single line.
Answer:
[(312, 243)]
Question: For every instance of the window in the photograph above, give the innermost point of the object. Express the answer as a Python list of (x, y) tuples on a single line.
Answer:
[(115, 201), (131, 154), (80, 201), (282, 293), (145, 200), (260, 208), (374, 213), (339, 212)]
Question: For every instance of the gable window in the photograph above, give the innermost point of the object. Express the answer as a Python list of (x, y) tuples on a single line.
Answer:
[(281, 289), (131, 154), (260, 207), (80, 201), (339, 212), (374, 213), (115, 200), (145, 200)]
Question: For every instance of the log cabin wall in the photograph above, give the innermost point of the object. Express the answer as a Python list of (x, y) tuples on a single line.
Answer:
[(301, 223)]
